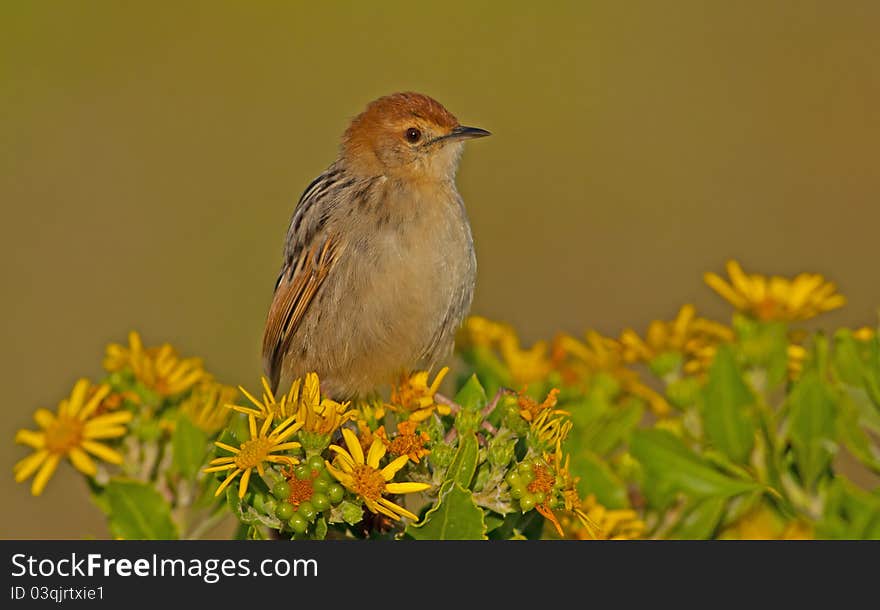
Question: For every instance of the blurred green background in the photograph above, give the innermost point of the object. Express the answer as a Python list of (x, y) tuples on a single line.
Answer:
[(152, 153)]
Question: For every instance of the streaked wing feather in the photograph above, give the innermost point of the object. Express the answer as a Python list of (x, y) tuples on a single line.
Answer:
[(296, 289)]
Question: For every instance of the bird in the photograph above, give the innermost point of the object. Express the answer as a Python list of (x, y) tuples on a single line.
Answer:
[(378, 268)]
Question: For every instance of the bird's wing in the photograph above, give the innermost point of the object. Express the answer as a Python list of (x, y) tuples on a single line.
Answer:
[(297, 286)]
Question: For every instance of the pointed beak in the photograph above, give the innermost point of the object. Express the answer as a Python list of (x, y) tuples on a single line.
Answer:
[(467, 133)]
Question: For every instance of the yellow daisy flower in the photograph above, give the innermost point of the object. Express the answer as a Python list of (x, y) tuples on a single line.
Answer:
[(581, 360), (318, 416), (206, 406), (158, 368), (256, 452), (776, 298), (695, 338), (362, 476), (270, 405), (483, 332), (73, 432), (414, 396)]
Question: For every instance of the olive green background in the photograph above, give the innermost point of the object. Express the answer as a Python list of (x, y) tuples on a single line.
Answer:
[(151, 154)]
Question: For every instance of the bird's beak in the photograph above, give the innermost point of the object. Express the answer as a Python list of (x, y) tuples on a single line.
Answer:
[(466, 133)]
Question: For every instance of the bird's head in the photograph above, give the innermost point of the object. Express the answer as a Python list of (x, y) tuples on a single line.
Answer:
[(408, 136)]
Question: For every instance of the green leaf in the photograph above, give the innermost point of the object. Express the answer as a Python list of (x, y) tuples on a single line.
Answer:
[(850, 513), (189, 446), (350, 512), (138, 512), (454, 517), (596, 477), (670, 467), (852, 433), (472, 396), (727, 402), (700, 522), (464, 464), (612, 427), (811, 423), (320, 529)]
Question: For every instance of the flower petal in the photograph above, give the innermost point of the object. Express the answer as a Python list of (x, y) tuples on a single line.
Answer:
[(354, 446), (407, 487), (26, 467), (391, 469), (44, 418), (34, 440), (227, 481), (102, 451), (397, 509), (110, 419), (82, 462), (95, 400), (45, 473), (243, 484), (376, 452)]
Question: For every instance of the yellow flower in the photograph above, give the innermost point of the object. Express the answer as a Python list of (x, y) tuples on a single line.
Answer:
[(158, 368), (619, 524), (405, 441), (206, 406), (281, 408), (482, 332), (693, 337), (582, 360), (865, 333), (362, 476), (764, 523), (797, 354), (526, 365), (776, 298), (414, 396), (72, 433), (256, 452), (318, 416)]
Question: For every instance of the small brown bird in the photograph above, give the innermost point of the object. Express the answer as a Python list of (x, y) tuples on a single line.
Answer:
[(379, 264)]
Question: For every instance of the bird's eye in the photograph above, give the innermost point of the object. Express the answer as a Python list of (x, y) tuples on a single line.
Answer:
[(413, 135)]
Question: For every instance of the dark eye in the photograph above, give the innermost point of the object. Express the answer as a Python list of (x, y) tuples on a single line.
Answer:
[(413, 135)]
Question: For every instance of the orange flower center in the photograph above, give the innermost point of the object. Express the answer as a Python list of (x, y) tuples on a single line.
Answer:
[(408, 444), (300, 491), (768, 309), (543, 480), (368, 482), (253, 452), (64, 434)]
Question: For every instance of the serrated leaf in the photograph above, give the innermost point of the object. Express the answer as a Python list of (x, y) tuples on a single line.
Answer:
[(727, 402), (812, 411), (455, 516), (464, 464), (472, 396), (189, 446), (670, 467), (699, 522), (138, 511)]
